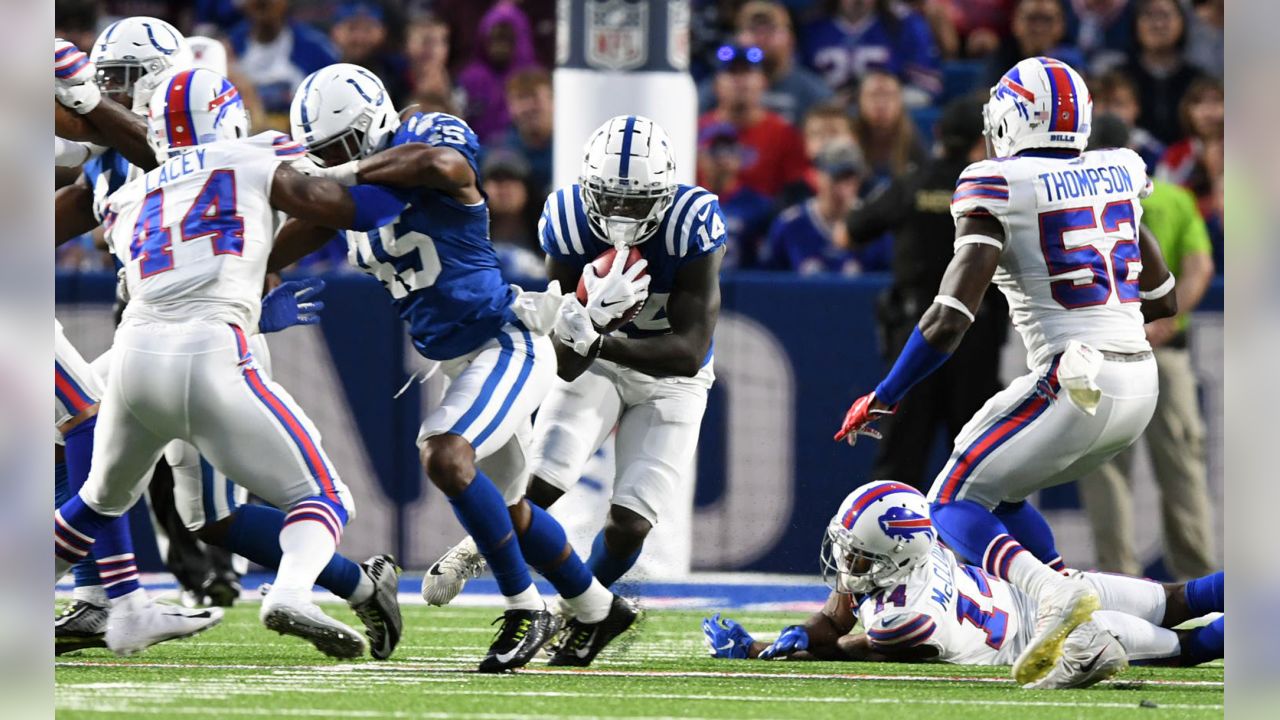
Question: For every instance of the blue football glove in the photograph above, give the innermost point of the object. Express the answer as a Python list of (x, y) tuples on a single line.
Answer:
[(794, 638), (725, 638), (290, 304)]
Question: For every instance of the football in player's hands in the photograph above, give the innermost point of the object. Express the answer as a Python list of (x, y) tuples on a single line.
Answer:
[(602, 264)]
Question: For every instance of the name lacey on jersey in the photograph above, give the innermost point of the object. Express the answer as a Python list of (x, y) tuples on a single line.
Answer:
[(692, 227)]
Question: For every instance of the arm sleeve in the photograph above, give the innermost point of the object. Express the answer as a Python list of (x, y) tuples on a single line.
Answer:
[(1138, 168), (981, 189), (902, 630)]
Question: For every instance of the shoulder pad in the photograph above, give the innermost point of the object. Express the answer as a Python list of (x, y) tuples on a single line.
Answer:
[(280, 144), (983, 186), (694, 224), (562, 226)]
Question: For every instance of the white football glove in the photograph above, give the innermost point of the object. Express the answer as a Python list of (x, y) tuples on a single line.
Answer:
[(610, 296), (73, 78), (344, 174), (307, 166), (539, 311), (574, 328)]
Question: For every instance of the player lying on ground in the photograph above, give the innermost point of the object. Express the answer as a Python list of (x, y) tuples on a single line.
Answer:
[(132, 66), (1059, 231), (194, 235), (917, 602), (649, 377), (437, 262)]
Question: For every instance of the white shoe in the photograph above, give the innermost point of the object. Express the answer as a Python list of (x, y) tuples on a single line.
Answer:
[(1068, 605), (135, 626), (292, 614), (444, 580), (1089, 656)]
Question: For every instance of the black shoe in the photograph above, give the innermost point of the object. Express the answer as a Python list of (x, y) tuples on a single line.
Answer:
[(523, 633), (380, 613), (221, 590), (81, 626), (583, 641)]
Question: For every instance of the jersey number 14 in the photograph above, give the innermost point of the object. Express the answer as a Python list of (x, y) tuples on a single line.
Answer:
[(212, 215), (1104, 274)]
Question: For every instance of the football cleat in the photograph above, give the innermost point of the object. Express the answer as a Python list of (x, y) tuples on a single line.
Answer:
[(583, 641), (292, 614), (522, 634), (1089, 656), (134, 627), (221, 590), (1068, 605), (81, 626), (444, 580), (380, 612)]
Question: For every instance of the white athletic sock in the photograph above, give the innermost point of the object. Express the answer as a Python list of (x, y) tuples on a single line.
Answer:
[(130, 601), (1141, 640), (1132, 596), (592, 605), (307, 547), (92, 594), (1032, 576), (527, 599), (364, 589)]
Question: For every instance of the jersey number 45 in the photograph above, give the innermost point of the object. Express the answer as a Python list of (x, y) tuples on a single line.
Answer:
[(1105, 273)]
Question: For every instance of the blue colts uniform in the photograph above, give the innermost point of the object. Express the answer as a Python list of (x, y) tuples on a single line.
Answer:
[(436, 260), (105, 174), (693, 227)]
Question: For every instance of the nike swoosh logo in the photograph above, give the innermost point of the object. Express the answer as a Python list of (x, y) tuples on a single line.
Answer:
[(726, 646), (435, 570), (585, 650), (195, 616), (703, 215), (1088, 668), (610, 304), (505, 658)]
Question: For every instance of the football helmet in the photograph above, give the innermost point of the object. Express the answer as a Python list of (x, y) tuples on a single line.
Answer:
[(1040, 103), (628, 179), (132, 56), (194, 107), (341, 113), (881, 533)]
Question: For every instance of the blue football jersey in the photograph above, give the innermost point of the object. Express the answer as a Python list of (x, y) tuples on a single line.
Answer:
[(105, 174), (692, 227), (841, 52), (436, 259)]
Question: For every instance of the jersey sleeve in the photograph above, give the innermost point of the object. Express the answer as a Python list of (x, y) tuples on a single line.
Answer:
[(560, 231), (439, 129), (1138, 170), (695, 225), (983, 189), (901, 630)]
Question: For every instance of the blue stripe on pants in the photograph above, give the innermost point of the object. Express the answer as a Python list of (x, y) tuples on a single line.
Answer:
[(486, 391), (525, 370)]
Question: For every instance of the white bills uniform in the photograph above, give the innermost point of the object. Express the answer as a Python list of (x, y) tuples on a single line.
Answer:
[(973, 618), (195, 235), (1069, 268)]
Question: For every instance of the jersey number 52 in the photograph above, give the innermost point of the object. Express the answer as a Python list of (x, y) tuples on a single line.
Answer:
[(1105, 273)]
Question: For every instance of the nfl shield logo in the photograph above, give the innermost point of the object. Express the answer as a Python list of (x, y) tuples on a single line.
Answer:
[(617, 34)]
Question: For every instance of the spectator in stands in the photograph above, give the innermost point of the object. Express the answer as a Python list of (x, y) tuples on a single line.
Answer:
[(916, 209), (512, 216), (884, 130), (1159, 65), (792, 89), (747, 213), (1039, 27), (826, 124), (940, 14), (1196, 162), (76, 21), (980, 23), (532, 125), (1115, 93), (464, 18), (275, 53), (1103, 32), (1206, 45), (505, 47), (804, 238), (1175, 436), (427, 48), (867, 34), (773, 155), (360, 34)]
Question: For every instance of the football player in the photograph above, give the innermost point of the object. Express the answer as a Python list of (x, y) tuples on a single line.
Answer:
[(651, 377), (138, 53), (1059, 230), (194, 235), (438, 264), (917, 602)]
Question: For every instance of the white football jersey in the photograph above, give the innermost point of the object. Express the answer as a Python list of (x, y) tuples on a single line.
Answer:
[(194, 234), (1070, 262), (971, 617)]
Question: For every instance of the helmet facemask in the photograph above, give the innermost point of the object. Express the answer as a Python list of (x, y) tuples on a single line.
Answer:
[(853, 571), (627, 216)]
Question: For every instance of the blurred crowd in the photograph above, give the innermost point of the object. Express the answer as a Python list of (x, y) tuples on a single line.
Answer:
[(808, 109)]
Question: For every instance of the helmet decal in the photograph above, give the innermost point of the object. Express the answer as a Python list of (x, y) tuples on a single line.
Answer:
[(851, 514), (152, 37), (180, 130), (900, 522), (1066, 115), (628, 132)]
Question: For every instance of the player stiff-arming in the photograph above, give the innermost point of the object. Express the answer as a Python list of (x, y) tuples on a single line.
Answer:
[(650, 377), (1059, 232), (918, 602), (194, 235), (437, 262)]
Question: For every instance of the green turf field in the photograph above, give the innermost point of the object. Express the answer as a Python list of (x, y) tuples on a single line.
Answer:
[(241, 670)]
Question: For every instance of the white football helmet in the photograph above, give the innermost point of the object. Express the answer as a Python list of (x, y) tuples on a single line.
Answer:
[(881, 533), (132, 55), (209, 53), (1041, 103), (194, 107), (343, 106), (628, 179)]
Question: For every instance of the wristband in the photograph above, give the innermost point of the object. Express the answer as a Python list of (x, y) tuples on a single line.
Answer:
[(917, 360), (1164, 289)]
